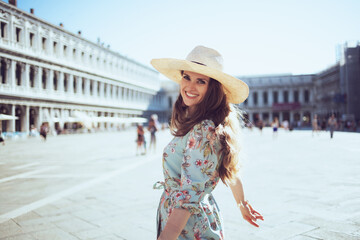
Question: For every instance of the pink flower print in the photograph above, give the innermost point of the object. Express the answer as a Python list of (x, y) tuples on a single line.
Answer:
[(198, 162), (186, 192), (173, 150), (178, 195), (191, 143), (188, 181), (206, 162)]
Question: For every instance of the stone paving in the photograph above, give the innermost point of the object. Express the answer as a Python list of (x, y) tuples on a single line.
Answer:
[(93, 186)]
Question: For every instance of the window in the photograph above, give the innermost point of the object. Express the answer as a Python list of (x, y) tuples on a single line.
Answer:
[(3, 73), (265, 98), (3, 29), (44, 77), (18, 34), (55, 81), (55, 47), (18, 74), (255, 96), (170, 102), (83, 85), (43, 43), (65, 83), (275, 97), (65, 50), (296, 96), (74, 53), (91, 87), (82, 56), (74, 84), (31, 39), (32, 77), (306, 96), (286, 96)]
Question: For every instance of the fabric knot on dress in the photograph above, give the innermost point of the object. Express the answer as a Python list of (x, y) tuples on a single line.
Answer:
[(159, 185)]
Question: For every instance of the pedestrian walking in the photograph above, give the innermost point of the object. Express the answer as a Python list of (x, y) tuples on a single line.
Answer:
[(204, 149), (275, 127), (153, 128), (332, 123), (140, 140), (315, 125), (44, 131)]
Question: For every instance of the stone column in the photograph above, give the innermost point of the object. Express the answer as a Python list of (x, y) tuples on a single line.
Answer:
[(281, 96), (301, 96), (26, 122), (51, 121), (71, 84), (12, 79), (50, 80), (79, 86), (87, 87), (40, 118), (291, 95), (27, 76), (38, 77), (113, 94), (12, 121), (95, 87), (61, 82), (108, 90), (101, 90)]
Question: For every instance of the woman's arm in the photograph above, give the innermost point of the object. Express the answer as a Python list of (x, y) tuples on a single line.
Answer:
[(175, 224), (248, 213)]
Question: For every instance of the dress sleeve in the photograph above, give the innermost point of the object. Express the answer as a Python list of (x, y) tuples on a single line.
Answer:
[(198, 170)]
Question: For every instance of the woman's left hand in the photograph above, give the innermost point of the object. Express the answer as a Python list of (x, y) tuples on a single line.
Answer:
[(249, 214)]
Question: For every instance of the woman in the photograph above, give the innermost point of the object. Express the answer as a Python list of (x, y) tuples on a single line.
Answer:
[(204, 150), (140, 141)]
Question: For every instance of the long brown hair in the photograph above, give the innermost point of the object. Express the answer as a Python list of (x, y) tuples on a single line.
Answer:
[(226, 118)]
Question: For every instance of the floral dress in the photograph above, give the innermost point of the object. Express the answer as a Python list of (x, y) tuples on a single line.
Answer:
[(190, 172)]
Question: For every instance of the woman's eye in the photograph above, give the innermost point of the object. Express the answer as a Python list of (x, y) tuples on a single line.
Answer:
[(201, 82), (186, 77)]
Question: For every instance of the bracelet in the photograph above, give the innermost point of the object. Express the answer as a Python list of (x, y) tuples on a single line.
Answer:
[(243, 203)]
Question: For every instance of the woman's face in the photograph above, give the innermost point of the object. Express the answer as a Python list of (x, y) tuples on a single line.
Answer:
[(193, 87)]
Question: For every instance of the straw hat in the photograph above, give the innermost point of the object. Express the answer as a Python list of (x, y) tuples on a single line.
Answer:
[(208, 62)]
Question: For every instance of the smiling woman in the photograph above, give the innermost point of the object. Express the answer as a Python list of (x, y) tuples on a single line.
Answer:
[(193, 88), (204, 150)]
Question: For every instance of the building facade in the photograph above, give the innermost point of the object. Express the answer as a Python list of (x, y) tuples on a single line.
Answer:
[(328, 96), (49, 75), (287, 97)]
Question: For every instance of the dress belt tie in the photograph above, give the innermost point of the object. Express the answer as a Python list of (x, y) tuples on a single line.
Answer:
[(159, 185)]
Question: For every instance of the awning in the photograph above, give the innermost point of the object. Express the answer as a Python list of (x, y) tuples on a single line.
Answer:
[(7, 117)]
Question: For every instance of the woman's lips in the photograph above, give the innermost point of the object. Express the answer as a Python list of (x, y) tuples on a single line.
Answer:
[(190, 95)]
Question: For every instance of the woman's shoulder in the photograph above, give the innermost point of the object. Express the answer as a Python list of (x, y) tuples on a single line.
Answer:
[(204, 127)]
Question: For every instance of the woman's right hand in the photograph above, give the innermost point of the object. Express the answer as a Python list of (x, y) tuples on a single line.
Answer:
[(249, 214)]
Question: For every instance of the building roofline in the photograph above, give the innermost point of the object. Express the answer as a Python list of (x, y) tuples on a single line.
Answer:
[(34, 17)]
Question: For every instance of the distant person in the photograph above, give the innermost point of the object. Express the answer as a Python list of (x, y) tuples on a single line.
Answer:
[(315, 125), (260, 125), (44, 131), (33, 131), (332, 123), (275, 127), (153, 128), (2, 138), (140, 141), (285, 125)]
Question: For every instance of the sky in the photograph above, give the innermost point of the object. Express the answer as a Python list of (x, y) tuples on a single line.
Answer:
[(254, 37)]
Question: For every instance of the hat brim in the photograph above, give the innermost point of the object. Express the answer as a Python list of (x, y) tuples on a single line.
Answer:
[(236, 90)]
